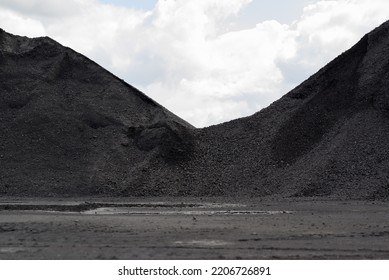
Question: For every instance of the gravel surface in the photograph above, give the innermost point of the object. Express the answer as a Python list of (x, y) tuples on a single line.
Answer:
[(199, 230)]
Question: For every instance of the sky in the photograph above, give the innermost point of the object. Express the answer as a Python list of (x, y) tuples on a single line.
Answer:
[(207, 61)]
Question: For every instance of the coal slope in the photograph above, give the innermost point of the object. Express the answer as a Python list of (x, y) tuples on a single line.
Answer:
[(329, 137), (69, 127)]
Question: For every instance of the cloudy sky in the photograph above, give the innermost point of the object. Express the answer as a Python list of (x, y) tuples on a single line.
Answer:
[(208, 61)]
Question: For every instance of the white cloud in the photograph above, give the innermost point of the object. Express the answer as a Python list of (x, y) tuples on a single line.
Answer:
[(185, 54), (46, 8), (215, 75), (19, 24), (328, 28)]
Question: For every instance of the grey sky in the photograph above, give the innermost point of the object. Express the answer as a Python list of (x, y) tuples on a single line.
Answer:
[(136, 4), (283, 11)]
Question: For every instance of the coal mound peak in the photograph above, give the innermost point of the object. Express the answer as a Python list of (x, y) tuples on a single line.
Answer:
[(65, 122), (71, 128)]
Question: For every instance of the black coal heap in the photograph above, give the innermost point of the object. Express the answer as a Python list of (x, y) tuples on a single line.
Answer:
[(69, 127)]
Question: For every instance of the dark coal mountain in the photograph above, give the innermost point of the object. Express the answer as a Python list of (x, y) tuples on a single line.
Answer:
[(327, 137), (70, 127)]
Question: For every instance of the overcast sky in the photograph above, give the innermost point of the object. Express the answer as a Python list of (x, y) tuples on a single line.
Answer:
[(208, 61)]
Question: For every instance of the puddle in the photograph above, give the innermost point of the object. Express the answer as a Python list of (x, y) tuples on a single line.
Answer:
[(80, 207), (202, 243), (143, 209), (11, 250), (222, 205), (127, 211)]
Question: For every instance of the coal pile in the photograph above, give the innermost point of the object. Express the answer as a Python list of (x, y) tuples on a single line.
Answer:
[(71, 128)]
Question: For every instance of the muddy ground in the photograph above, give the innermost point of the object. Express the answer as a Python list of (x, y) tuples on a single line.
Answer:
[(192, 229)]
